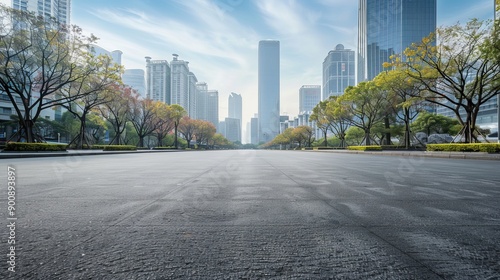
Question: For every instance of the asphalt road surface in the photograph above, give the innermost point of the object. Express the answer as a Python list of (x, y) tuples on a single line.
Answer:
[(250, 215)]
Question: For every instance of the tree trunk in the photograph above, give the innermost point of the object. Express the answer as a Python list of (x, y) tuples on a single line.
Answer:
[(387, 132), (326, 138), (367, 137)]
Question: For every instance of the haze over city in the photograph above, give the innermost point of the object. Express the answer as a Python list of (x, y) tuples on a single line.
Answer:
[(220, 38)]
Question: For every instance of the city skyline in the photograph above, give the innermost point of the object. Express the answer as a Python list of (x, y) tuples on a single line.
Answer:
[(220, 38)]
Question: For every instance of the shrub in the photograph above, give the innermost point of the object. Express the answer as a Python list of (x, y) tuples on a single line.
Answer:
[(35, 147), (165, 148), (114, 147), (365, 148), (472, 147), (119, 148)]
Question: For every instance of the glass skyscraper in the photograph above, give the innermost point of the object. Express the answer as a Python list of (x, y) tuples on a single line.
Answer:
[(269, 90), (388, 27), (339, 71)]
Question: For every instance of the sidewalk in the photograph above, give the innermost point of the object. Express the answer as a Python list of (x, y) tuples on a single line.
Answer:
[(404, 153), (9, 155)]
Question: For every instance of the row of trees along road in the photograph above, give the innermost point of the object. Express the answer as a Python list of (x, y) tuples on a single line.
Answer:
[(460, 72), (44, 65)]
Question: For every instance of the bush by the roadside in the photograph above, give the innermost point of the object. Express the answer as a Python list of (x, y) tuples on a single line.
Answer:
[(165, 148), (472, 147), (365, 148), (114, 147), (34, 147)]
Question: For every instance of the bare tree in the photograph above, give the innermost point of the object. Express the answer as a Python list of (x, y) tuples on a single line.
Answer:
[(39, 57)]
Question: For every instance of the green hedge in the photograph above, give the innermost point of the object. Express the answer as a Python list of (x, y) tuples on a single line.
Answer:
[(365, 148), (472, 147), (114, 147), (35, 147), (165, 148)]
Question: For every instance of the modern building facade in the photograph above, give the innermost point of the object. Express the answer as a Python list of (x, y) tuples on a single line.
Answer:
[(115, 55), (58, 9), (179, 82), (388, 27), (135, 78), (201, 100), (309, 97), (232, 129), (192, 95), (235, 110), (339, 71), (269, 89), (212, 107), (158, 80), (254, 130)]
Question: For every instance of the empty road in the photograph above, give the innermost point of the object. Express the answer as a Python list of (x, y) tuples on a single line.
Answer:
[(250, 215)]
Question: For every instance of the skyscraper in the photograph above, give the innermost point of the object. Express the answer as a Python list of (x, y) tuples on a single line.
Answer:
[(192, 95), (387, 27), (254, 130), (158, 80), (179, 82), (309, 97), (212, 108), (58, 9), (269, 89), (201, 101), (339, 71), (235, 110)]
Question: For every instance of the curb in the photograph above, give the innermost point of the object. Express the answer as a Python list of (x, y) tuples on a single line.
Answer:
[(451, 155), (11, 155)]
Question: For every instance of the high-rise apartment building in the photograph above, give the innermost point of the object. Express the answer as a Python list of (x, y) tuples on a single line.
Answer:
[(212, 107), (192, 95), (134, 78), (158, 80), (269, 89), (179, 82), (339, 71), (201, 101), (387, 27), (58, 9), (309, 97)]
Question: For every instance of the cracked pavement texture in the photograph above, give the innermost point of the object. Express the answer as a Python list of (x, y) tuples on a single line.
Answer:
[(253, 215)]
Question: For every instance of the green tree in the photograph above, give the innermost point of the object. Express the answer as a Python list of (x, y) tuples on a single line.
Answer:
[(367, 103), (433, 123), (322, 119), (355, 135), (340, 116), (460, 73), (176, 114)]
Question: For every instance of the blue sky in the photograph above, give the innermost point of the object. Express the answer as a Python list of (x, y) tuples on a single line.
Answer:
[(219, 38)]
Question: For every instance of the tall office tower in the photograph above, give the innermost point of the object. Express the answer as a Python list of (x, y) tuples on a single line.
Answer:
[(58, 9), (254, 130), (233, 129), (134, 78), (387, 27), (179, 82), (309, 97), (269, 90), (339, 71), (235, 110), (212, 108), (192, 95), (158, 80), (201, 101)]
